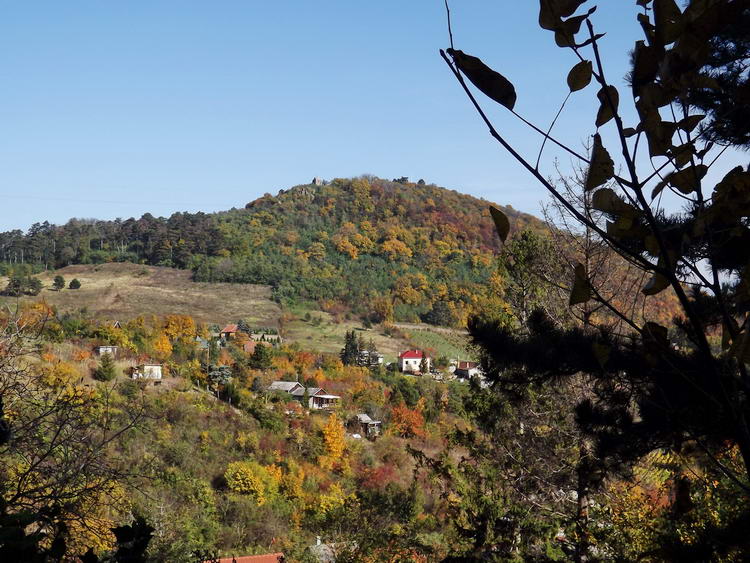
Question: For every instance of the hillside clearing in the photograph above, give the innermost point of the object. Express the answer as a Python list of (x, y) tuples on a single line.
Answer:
[(123, 291)]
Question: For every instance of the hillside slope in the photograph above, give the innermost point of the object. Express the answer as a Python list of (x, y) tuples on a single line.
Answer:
[(387, 250), (124, 291)]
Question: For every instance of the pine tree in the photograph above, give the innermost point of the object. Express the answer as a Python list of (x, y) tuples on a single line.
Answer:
[(350, 351), (106, 371), (262, 357)]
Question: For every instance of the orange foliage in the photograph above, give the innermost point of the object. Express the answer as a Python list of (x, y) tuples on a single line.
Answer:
[(81, 355), (406, 422)]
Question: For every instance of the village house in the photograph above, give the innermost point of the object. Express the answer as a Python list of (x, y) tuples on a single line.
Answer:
[(111, 350), (228, 332), (317, 398), (410, 361), (467, 370), (147, 371), (286, 386), (366, 426)]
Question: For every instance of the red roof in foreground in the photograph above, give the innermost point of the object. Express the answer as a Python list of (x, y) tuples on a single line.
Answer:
[(411, 354), (267, 558), (229, 328)]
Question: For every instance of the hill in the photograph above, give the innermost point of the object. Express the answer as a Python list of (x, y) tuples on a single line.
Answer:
[(124, 291), (386, 250)]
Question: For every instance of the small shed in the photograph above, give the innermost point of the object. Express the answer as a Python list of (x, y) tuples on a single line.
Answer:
[(467, 370), (367, 426), (111, 350), (229, 331), (148, 371)]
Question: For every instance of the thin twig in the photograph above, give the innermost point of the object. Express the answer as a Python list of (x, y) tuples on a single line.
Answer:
[(546, 135)]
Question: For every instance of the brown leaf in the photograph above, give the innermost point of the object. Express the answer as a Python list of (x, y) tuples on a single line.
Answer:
[(493, 84), (502, 225), (687, 180), (656, 284), (690, 122), (667, 19), (551, 12), (581, 291), (579, 76), (601, 168), (606, 109)]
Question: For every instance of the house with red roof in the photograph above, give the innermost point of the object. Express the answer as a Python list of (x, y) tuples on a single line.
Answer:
[(229, 331), (411, 360)]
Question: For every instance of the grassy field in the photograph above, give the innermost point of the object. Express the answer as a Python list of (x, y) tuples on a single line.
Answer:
[(122, 291), (322, 334), (450, 345)]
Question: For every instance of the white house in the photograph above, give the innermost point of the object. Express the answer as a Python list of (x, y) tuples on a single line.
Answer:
[(467, 370), (111, 350), (410, 361), (147, 371)]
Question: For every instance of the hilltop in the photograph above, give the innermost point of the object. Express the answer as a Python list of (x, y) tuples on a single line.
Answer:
[(384, 250)]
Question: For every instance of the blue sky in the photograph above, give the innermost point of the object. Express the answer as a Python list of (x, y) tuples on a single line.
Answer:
[(114, 109)]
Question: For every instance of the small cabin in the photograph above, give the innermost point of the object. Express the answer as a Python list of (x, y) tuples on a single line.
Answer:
[(148, 371), (366, 426), (228, 332), (467, 370), (111, 350)]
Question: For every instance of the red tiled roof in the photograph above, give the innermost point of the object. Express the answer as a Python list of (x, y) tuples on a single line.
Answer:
[(467, 365), (267, 558), (410, 354), (229, 328)]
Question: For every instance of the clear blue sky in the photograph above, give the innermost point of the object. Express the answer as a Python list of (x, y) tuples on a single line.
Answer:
[(114, 109)]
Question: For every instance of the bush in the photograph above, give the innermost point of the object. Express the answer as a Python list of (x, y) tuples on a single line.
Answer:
[(59, 282), (74, 284)]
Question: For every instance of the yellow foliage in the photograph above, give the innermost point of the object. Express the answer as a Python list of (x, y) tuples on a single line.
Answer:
[(162, 347), (251, 478), (344, 246), (333, 439), (179, 327), (334, 498), (395, 249)]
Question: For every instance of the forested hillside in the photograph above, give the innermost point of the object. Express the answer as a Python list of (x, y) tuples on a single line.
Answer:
[(390, 250)]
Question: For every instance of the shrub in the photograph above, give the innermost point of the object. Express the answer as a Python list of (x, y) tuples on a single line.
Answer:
[(74, 284)]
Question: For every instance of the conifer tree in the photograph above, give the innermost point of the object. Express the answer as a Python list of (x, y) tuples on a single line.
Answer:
[(106, 371)]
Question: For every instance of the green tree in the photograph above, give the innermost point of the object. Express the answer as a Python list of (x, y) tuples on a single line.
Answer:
[(350, 352), (74, 284), (423, 364), (262, 357), (647, 393), (33, 286), (106, 370), (59, 282)]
